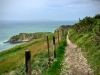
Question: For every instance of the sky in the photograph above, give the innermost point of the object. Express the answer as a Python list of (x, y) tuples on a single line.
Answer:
[(34, 10)]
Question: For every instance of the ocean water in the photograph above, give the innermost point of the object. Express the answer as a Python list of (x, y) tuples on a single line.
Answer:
[(11, 28)]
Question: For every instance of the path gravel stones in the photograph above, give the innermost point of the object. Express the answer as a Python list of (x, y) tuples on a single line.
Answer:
[(75, 61)]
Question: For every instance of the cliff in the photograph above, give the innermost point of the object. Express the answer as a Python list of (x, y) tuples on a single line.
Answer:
[(25, 37)]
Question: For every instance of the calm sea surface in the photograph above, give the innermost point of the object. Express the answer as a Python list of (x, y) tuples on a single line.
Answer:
[(11, 28)]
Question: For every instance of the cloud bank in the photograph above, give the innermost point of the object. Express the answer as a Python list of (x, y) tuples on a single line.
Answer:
[(48, 9)]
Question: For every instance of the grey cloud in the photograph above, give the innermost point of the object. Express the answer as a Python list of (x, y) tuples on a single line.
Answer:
[(96, 0)]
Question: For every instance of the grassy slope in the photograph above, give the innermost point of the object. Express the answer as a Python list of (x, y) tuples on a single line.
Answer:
[(55, 68), (87, 39), (13, 58)]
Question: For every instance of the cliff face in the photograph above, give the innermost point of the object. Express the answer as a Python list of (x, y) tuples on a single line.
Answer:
[(25, 37)]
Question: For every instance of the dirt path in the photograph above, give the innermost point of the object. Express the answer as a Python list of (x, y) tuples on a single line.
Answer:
[(75, 61)]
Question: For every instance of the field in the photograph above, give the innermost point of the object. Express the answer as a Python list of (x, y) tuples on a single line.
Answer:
[(12, 61)]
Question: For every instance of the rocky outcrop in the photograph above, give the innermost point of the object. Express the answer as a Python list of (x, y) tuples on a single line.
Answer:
[(25, 37)]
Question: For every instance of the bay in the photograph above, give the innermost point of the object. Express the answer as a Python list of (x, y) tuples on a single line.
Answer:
[(11, 28)]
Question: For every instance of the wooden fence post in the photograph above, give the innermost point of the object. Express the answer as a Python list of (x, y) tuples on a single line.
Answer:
[(54, 46), (48, 52), (28, 62)]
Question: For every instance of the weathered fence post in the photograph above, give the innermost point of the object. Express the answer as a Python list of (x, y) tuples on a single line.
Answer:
[(28, 62), (54, 46), (48, 52)]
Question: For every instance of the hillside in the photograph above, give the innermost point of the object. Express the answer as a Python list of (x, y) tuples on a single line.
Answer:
[(25, 37), (86, 34), (12, 61)]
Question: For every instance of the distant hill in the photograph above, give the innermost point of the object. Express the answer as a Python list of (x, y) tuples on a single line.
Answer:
[(63, 27), (25, 37)]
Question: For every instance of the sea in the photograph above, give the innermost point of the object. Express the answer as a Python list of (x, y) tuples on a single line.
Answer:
[(11, 28)]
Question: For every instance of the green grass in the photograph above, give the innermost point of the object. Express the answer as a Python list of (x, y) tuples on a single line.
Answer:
[(14, 58), (55, 68), (90, 49)]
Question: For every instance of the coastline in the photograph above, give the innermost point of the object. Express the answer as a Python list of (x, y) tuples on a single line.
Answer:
[(9, 29)]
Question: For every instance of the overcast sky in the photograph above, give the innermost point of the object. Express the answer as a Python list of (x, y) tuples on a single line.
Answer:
[(48, 9)]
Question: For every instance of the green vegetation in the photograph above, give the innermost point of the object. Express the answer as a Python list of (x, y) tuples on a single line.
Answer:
[(14, 58), (23, 37), (65, 27), (86, 34), (55, 68)]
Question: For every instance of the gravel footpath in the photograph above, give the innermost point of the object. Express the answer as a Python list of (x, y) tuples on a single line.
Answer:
[(75, 61)]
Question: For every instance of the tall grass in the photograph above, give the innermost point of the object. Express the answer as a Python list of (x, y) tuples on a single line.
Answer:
[(90, 49), (55, 68), (13, 59)]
